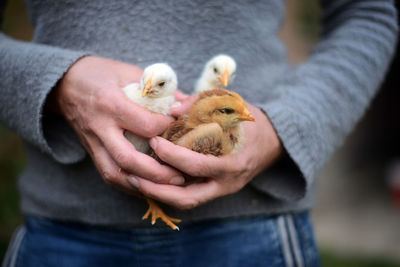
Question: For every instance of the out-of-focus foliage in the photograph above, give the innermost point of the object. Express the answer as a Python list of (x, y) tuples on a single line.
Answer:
[(309, 15), (11, 164), (300, 31), (16, 22), (335, 260), (12, 159)]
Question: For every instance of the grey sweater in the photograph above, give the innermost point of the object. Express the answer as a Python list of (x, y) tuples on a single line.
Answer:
[(312, 107)]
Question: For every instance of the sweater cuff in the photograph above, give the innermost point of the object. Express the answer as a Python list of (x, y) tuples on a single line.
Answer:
[(28, 73), (61, 141), (297, 164)]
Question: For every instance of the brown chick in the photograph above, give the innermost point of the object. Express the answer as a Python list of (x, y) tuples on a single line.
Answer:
[(212, 126)]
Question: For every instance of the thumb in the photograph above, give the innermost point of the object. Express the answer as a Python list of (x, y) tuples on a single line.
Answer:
[(179, 95), (182, 107)]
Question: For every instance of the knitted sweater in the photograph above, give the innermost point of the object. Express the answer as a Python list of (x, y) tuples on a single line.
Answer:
[(312, 106)]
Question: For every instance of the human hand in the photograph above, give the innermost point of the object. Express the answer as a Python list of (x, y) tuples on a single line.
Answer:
[(89, 96), (223, 175), (182, 104)]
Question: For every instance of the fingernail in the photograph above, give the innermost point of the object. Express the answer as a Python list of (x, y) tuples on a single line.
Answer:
[(133, 181), (177, 180), (153, 142)]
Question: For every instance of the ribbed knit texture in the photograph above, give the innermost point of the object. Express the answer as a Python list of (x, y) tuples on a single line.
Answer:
[(312, 107)]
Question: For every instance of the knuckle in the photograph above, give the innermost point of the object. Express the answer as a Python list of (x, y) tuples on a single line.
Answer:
[(235, 170), (122, 158), (197, 170), (149, 128), (238, 168), (201, 168), (108, 177), (157, 179), (102, 98)]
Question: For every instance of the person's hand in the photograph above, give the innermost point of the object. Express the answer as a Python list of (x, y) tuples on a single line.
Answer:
[(89, 96), (223, 175)]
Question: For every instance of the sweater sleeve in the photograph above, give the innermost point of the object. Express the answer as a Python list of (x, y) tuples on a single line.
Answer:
[(28, 72), (321, 100)]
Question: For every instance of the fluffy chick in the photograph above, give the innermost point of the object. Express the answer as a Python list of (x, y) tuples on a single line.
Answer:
[(218, 72), (212, 125), (156, 88), (155, 92)]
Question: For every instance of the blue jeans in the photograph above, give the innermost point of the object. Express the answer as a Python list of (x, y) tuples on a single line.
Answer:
[(284, 240)]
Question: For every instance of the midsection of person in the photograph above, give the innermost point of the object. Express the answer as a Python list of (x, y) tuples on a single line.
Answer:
[(183, 34)]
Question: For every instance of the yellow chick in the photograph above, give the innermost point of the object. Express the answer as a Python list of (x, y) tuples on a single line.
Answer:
[(212, 126), (155, 92)]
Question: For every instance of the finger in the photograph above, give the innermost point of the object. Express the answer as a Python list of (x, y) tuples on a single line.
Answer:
[(110, 172), (135, 118), (137, 163), (179, 95), (184, 107), (180, 197), (190, 162)]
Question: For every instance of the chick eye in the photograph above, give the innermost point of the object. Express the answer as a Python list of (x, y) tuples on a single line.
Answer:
[(215, 70), (161, 84), (228, 110)]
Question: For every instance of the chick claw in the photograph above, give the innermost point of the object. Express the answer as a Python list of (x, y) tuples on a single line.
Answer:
[(156, 212)]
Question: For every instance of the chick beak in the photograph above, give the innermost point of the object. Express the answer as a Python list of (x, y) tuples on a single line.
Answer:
[(246, 116), (224, 79), (147, 88)]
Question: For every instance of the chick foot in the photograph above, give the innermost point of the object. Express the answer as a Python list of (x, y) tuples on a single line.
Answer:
[(156, 212)]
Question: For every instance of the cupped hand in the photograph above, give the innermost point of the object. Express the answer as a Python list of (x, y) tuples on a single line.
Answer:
[(223, 175), (89, 96)]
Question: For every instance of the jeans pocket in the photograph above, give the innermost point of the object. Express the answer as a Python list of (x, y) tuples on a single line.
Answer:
[(11, 256), (297, 240)]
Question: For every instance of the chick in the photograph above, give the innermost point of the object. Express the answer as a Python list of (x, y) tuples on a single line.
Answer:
[(155, 92), (218, 73), (212, 125)]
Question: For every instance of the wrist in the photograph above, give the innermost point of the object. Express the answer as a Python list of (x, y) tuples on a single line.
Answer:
[(52, 103), (275, 148)]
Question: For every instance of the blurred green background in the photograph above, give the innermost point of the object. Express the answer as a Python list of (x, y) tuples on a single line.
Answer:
[(11, 164), (300, 32), (12, 158)]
